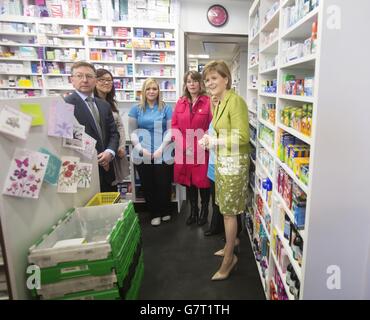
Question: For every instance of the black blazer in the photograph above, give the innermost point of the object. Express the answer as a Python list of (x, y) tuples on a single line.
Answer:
[(84, 117)]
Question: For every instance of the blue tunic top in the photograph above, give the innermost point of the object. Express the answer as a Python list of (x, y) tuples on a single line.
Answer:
[(152, 126)]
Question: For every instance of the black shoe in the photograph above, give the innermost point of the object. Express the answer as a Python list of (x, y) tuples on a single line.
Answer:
[(192, 219)]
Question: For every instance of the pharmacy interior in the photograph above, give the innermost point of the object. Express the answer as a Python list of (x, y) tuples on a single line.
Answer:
[(303, 74)]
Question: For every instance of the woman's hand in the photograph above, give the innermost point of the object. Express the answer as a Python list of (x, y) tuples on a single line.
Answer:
[(204, 142), (147, 154), (157, 154)]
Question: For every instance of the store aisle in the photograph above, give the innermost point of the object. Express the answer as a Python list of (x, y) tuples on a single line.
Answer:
[(179, 263)]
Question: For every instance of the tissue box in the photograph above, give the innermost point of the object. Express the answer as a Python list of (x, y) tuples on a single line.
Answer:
[(295, 52)]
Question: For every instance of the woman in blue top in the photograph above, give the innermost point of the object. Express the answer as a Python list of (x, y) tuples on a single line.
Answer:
[(149, 126)]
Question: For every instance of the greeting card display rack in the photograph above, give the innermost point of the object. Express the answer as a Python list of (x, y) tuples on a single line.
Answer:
[(23, 220)]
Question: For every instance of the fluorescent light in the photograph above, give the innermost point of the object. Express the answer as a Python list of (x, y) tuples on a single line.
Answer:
[(199, 56)]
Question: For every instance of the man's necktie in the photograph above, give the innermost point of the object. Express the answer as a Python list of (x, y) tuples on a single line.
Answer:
[(95, 112)]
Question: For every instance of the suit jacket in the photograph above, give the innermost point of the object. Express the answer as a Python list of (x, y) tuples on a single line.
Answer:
[(232, 113), (110, 139)]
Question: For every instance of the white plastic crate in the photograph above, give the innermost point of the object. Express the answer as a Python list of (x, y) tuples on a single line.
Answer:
[(79, 284), (94, 224)]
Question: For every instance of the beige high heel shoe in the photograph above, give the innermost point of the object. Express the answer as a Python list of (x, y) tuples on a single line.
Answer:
[(219, 276), (221, 252)]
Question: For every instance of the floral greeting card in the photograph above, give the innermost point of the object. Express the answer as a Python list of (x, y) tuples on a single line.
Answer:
[(35, 110), (26, 173), (53, 168), (67, 182), (15, 123), (76, 141), (84, 172), (61, 119), (89, 146)]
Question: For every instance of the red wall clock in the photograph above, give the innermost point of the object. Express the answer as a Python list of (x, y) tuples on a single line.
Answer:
[(217, 15)]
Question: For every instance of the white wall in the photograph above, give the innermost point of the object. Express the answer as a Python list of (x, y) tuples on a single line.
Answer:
[(193, 16)]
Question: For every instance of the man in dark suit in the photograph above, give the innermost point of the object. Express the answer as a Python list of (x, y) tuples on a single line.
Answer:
[(96, 115)]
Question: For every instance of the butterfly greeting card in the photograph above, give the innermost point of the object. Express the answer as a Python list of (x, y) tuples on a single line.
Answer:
[(26, 173), (53, 168), (15, 123), (84, 172), (67, 182), (61, 119)]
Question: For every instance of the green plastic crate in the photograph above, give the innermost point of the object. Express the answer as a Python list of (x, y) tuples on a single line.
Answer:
[(120, 262), (134, 290), (112, 294)]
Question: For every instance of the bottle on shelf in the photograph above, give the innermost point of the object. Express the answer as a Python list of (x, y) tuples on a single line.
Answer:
[(314, 37)]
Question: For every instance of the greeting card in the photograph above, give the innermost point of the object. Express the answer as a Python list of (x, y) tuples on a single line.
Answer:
[(53, 168), (67, 182), (61, 119), (84, 173), (15, 123), (26, 173), (34, 110), (76, 141), (89, 146)]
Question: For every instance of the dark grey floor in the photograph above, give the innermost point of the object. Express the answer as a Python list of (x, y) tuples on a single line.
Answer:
[(179, 263)]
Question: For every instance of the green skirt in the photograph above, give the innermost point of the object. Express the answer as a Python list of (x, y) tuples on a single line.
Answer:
[(231, 182)]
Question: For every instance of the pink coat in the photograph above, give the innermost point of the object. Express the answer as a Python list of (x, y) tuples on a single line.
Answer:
[(191, 161)]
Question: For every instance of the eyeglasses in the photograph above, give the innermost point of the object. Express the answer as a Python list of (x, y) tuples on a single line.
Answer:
[(108, 81), (81, 76)]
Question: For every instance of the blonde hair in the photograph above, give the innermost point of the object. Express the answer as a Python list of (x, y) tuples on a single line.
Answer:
[(148, 82), (221, 68)]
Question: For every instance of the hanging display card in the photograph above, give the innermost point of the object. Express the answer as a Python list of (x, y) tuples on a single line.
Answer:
[(26, 173), (76, 142), (15, 123), (34, 110), (53, 168), (89, 146), (67, 182), (61, 119), (84, 173)]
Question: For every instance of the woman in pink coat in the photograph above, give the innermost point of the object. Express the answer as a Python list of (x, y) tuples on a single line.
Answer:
[(191, 118)]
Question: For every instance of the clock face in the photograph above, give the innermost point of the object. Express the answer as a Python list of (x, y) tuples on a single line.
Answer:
[(217, 15)]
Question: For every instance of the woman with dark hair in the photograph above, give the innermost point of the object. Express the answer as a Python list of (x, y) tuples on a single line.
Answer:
[(191, 119), (105, 90)]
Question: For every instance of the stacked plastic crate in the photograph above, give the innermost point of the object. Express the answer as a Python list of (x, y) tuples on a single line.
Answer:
[(94, 252), (3, 286)]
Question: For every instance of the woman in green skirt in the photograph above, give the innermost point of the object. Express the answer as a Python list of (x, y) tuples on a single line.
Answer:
[(231, 124)]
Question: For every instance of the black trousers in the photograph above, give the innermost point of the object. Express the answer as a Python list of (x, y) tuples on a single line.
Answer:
[(106, 179), (156, 180), (217, 222)]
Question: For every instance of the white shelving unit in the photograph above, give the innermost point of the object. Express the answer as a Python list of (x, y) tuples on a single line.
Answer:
[(44, 53), (335, 120)]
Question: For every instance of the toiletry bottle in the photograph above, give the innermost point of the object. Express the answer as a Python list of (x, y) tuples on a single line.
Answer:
[(314, 37), (289, 274)]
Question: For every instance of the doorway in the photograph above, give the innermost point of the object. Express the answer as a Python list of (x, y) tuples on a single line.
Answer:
[(200, 48)]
